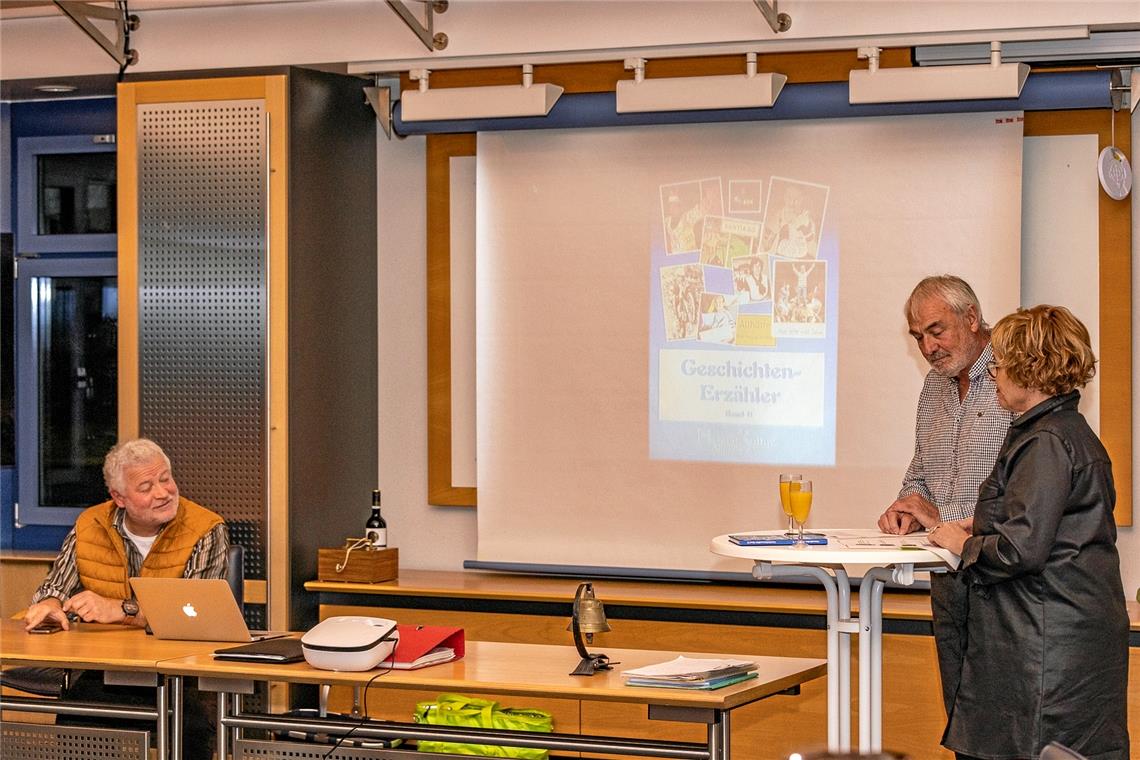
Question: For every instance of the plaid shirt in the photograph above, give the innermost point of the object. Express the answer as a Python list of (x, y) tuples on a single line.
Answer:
[(207, 560), (956, 441)]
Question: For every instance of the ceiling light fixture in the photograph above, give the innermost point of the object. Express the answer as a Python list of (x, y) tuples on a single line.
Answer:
[(995, 80), (747, 90), (56, 88), (505, 101)]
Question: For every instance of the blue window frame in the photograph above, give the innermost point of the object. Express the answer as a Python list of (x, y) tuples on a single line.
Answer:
[(66, 387), (65, 194)]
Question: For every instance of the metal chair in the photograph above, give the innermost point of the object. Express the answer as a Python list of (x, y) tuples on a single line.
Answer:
[(54, 682), (235, 573)]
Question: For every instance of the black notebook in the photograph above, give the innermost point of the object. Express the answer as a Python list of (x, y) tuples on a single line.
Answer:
[(270, 650)]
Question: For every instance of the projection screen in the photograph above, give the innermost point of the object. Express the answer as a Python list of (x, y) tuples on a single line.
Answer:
[(669, 317)]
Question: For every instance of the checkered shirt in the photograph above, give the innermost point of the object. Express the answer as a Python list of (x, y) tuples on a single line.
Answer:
[(956, 442)]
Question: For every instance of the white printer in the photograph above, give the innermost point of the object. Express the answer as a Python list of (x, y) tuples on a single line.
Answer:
[(350, 642)]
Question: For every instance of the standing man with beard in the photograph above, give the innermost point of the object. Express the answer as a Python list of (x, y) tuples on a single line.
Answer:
[(958, 432)]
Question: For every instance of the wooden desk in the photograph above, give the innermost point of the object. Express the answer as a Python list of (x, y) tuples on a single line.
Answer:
[(126, 655), (765, 618), (91, 646), (531, 671)]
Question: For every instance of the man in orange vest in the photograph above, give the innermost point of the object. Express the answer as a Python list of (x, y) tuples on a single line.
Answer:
[(145, 529)]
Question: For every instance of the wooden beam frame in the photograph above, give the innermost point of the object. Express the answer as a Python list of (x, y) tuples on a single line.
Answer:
[(440, 149)]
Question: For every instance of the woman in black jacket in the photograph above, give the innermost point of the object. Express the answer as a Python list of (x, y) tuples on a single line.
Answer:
[(1047, 650)]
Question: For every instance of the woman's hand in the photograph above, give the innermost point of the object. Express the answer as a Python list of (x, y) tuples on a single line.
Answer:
[(950, 536)]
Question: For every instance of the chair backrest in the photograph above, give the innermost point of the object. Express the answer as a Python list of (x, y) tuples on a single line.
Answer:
[(235, 572)]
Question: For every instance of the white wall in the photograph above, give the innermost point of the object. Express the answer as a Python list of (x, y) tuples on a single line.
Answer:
[(429, 538), (1060, 264)]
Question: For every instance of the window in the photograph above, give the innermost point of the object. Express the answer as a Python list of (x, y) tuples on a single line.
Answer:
[(66, 324), (67, 388), (66, 194)]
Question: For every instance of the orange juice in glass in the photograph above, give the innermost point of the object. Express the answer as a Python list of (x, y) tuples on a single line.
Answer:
[(800, 499), (788, 484)]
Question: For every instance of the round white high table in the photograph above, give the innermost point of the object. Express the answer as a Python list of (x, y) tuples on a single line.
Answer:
[(827, 564)]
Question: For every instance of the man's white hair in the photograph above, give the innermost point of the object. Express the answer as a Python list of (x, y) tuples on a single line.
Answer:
[(952, 290), (130, 453)]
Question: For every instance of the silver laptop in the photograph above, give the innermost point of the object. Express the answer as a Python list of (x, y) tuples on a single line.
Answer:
[(193, 609)]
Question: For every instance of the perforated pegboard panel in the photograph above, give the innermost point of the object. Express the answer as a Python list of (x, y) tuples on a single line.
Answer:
[(256, 617), (203, 258), (249, 749), (43, 741)]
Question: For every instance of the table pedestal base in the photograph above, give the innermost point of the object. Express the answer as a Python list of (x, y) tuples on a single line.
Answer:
[(840, 628)]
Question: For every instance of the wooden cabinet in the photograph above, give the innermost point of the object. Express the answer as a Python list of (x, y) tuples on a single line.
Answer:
[(247, 328)]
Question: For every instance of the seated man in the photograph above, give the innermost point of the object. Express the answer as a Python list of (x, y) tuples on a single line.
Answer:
[(146, 529)]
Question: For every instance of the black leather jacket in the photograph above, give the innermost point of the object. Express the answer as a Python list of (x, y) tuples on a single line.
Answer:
[(1047, 649)]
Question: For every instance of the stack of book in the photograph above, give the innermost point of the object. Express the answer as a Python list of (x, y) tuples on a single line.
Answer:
[(691, 673)]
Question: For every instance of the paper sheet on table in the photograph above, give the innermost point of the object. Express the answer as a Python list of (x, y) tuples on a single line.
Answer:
[(892, 541), (686, 666)]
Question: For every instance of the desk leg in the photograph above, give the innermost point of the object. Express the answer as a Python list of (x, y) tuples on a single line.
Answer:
[(843, 587), (161, 706), (223, 732), (719, 736), (871, 658), (838, 677), (175, 686), (877, 665)]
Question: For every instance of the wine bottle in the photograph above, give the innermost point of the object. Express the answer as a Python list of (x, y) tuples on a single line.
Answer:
[(376, 530)]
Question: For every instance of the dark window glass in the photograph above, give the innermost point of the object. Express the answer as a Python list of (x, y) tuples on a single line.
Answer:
[(76, 193), (74, 331), (7, 355)]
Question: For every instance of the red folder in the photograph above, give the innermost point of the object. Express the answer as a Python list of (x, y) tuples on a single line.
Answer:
[(417, 645)]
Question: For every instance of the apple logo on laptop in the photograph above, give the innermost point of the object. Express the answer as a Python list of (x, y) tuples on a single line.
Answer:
[(189, 610)]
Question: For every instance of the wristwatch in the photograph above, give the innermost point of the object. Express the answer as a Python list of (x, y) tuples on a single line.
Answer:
[(130, 607)]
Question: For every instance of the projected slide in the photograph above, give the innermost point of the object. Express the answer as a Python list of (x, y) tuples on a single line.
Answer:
[(743, 316)]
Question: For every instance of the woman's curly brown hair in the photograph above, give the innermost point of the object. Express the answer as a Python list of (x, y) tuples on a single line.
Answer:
[(1044, 348)]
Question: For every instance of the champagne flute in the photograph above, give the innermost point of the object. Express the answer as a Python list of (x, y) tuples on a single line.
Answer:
[(789, 483), (801, 508)]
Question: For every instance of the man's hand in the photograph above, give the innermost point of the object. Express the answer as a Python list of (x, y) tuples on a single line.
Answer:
[(908, 514), (93, 608), (922, 512), (46, 609)]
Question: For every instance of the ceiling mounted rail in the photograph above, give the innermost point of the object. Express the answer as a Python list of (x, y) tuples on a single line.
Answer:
[(426, 30), (84, 15), (780, 22)]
